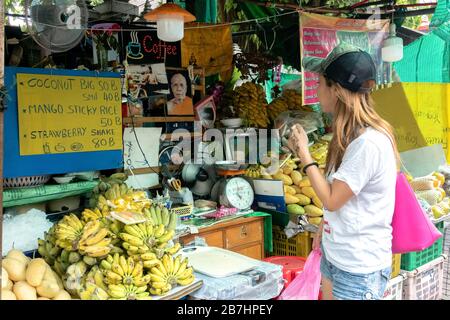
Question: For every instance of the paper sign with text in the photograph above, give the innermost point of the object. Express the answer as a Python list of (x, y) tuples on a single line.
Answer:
[(66, 114)]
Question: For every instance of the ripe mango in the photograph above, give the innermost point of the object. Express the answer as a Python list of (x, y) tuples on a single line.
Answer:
[(297, 189), (313, 211), (290, 190), (290, 199), (287, 181), (296, 177), (287, 169), (303, 200), (317, 202), (309, 192), (304, 182), (315, 220), (295, 209)]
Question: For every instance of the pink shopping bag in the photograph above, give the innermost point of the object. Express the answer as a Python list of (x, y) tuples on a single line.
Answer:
[(306, 285), (412, 230)]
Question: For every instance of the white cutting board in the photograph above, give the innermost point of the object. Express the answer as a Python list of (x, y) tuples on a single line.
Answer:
[(216, 262)]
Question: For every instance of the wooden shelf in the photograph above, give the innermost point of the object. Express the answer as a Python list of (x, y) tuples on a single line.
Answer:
[(141, 120), (149, 170), (168, 136)]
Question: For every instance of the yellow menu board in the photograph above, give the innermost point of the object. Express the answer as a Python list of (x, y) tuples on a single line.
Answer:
[(63, 114)]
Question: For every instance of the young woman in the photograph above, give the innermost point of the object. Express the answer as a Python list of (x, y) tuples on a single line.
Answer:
[(358, 192)]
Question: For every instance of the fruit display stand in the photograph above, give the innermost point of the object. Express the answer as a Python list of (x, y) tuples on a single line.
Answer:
[(425, 282), (394, 289), (446, 281), (414, 260)]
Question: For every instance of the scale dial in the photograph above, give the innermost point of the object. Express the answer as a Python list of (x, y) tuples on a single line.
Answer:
[(237, 193)]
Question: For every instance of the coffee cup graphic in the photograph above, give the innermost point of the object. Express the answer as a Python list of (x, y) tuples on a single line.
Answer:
[(134, 47)]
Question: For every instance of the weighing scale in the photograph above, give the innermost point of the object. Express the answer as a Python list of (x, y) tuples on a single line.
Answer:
[(232, 190)]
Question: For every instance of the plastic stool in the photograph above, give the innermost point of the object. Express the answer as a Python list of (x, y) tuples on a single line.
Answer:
[(292, 267)]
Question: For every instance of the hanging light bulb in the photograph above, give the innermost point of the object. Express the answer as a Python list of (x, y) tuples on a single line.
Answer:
[(170, 20), (392, 50)]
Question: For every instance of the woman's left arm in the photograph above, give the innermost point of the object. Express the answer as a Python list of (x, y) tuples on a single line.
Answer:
[(333, 196)]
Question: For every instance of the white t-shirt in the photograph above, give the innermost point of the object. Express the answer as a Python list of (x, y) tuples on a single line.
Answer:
[(357, 238)]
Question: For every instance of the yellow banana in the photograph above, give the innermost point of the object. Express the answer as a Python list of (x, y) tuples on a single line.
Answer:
[(113, 278), (182, 267), (151, 263), (115, 267), (130, 264), (91, 228), (167, 236), (148, 256), (157, 272), (143, 229), (97, 251), (186, 274), (100, 235), (156, 292), (176, 265), (156, 278), (135, 241), (138, 268), (158, 285), (159, 231), (124, 264), (142, 281), (131, 230), (117, 291), (150, 230), (104, 264), (174, 249), (186, 281)]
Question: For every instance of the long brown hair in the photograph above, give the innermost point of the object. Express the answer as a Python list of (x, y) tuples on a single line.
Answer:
[(354, 112)]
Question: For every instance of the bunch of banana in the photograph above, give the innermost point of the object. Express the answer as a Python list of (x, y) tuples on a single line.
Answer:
[(170, 273), (96, 214), (68, 232), (128, 292), (293, 99), (122, 270), (319, 152), (144, 237), (251, 105), (75, 277), (98, 197), (161, 215), (63, 261), (95, 276), (94, 241), (91, 291), (47, 247), (277, 106), (253, 171)]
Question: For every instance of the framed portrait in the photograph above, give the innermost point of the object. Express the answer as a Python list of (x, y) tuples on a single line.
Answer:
[(180, 100), (205, 111)]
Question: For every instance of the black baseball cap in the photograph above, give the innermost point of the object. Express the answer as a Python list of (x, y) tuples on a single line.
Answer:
[(347, 65)]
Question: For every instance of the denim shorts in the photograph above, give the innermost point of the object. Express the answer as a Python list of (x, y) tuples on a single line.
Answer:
[(355, 286)]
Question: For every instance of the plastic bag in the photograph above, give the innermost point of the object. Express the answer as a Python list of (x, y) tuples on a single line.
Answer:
[(306, 285)]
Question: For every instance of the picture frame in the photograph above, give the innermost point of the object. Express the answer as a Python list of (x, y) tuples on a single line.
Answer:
[(205, 112), (180, 98)]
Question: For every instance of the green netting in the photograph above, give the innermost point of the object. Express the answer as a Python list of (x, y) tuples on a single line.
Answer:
[(441, 14), (285, 78), (206, 11), (427, 59)]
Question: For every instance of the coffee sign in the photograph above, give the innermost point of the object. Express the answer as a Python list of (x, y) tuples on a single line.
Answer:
[(144, 47)]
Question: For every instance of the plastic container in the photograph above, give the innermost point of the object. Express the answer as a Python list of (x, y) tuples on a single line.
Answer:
[(394, 289), (425, 282), (299, 245), (292, 266), (414, 260), (396, 261), (446, 280)]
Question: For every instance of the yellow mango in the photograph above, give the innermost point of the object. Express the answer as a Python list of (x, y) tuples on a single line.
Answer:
[(287, 181), (289, 189), (304, 182), (313, 211), (297, 189), (309, 192), (287, 169), (315, 220), (317, 202), (296, 177), (303, 200), (290, 199)]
